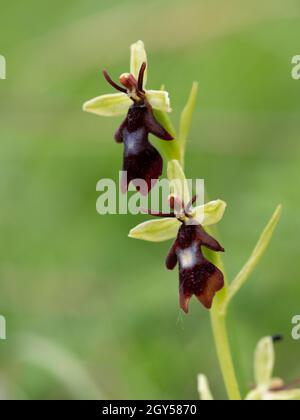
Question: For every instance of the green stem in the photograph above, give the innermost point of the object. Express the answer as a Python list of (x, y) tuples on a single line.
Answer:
[(218, 318), (219, 328), (224, 354)]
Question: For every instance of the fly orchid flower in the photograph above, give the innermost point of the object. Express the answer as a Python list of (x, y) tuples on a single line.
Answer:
[(141, 160), (267, 388), (197, 275)]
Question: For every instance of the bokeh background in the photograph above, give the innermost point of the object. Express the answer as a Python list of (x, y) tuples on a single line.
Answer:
[(91, 313)]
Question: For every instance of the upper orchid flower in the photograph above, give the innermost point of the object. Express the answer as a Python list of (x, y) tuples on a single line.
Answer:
[(198, 276), (141, 159)]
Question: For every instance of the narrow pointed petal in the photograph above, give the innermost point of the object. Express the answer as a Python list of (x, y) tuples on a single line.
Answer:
[(178, 182), (159, 100), (264, 362), (109, 105), (156, 230), (138, 57), (211, 213), (203, 389)]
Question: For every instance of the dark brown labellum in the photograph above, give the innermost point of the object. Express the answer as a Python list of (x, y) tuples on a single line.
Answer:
[(197, 275), (141, 160)]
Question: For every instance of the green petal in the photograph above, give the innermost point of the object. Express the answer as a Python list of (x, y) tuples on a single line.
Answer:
[(203, 389), (253, 261), (137, 58), (178, 183), (109, 105), (186, 119), (159, 100), (156, 230), (211, 213), (264, 362), (290, 395)]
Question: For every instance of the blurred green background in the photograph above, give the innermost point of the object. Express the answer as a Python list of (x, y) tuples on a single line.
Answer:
[(91, 313)]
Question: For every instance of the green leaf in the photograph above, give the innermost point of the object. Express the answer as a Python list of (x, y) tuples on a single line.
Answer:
[(186, 119), (255, 258)]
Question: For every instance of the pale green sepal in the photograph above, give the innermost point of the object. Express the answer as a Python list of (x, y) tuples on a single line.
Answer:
[(159, 100), (156, 230), (211, 213), (137, 58), (109, 105)]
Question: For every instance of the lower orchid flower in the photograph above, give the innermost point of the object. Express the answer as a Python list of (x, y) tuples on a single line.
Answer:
[(197, 275), (267, 388)]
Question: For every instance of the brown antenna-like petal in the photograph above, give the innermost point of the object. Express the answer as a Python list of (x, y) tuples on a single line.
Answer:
[(112, 83)]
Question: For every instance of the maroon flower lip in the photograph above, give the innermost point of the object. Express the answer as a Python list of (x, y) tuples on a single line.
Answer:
[(197, 275), (141, 160)]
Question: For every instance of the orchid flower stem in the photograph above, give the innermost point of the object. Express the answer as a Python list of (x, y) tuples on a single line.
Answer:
[(218, 321), (220, 333), (175, 150)]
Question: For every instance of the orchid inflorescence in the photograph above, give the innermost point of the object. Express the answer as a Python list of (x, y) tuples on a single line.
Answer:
[(200, 275)]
